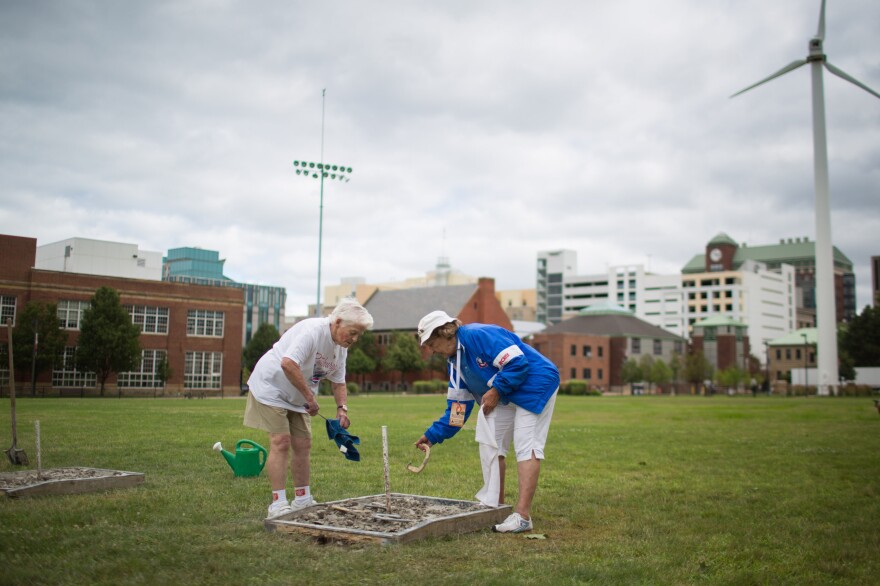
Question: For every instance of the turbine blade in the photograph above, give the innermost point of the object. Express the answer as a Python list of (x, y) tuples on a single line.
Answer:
[(843, 75), (821, 33), (790, 67)]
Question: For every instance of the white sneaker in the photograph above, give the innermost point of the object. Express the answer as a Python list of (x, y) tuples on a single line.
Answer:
[(279, 509), (514, 524), (295, 506)]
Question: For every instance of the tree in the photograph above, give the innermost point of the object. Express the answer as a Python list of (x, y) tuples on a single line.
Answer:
[(367, 343), (860, 338), (358, 363), (37, 339), (108, 340), (262, 340), (630, 371), (403, 355), (163, 369), (661, 374), (732, 377), (676, 366), (697, 368), (646, 363)]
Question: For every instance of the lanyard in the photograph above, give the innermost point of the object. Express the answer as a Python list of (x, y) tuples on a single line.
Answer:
[(455, 375)]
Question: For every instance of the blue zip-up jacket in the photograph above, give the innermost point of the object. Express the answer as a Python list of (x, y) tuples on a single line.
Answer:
[(494, 357)]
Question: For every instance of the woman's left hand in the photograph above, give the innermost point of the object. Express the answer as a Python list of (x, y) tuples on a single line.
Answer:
[(490, 401)]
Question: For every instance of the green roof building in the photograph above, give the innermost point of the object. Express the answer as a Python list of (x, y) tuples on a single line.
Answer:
[(723, 253)]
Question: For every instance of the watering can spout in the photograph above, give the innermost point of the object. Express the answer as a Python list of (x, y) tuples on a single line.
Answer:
[(230, 458)]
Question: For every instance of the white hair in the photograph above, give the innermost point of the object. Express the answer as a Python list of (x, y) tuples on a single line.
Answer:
[(352, 313)]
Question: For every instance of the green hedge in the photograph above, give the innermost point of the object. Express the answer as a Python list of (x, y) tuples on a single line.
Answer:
[(578, 387), (425, 387)]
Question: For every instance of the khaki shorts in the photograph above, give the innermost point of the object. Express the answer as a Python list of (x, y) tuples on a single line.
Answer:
[(276, 420)]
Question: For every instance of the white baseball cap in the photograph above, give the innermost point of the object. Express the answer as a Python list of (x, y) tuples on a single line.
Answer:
[(431, 322)]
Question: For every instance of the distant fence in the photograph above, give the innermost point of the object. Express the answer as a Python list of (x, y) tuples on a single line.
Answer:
[(113, 392)]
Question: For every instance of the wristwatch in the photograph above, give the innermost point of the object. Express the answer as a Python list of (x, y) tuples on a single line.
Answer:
[(343, 407)]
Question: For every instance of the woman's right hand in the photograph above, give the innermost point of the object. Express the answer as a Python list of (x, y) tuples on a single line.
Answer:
[(312, 407), (423, 443)]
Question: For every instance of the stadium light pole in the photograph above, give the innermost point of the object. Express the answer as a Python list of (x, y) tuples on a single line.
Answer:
[(321, 171)]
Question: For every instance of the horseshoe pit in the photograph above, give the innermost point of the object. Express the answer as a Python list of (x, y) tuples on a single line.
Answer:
[(368, 520)]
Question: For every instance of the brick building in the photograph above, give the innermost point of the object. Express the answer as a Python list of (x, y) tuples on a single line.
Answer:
[(794, 352), (723, 341), (594, 345), (399, 311), (196, 328)]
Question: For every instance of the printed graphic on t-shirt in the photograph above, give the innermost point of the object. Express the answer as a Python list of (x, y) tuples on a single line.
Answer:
[(323, 365)]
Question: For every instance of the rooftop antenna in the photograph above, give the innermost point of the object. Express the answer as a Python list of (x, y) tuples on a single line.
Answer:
[(826, 342)]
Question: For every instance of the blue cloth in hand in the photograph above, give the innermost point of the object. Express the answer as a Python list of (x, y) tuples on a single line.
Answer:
[(340, 435)]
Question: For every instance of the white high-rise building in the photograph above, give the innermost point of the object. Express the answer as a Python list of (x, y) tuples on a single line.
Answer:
[(100, 257), (761, 298)]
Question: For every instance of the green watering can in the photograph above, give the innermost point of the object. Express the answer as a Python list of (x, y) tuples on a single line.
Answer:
[(248, 459)]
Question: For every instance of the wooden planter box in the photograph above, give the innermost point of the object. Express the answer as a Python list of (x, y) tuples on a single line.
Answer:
[(457, 517), (59, 481)]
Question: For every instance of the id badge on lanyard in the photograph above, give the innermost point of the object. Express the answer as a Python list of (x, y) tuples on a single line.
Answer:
[(458, 408)]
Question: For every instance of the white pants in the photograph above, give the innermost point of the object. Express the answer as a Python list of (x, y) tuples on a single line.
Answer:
[(507, 423)]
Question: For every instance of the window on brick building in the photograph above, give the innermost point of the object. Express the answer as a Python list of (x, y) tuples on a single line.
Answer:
[(204, 322), (151, 320), (65, 374), (203, 370), (146, 376), (7, 309), (70, 313), (588, 351)]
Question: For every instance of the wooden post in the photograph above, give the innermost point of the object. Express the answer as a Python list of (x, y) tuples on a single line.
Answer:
[(387, 472), (39, 460)]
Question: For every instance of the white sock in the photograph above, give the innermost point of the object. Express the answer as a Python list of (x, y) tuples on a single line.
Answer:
[(279, 496), (303, 494)]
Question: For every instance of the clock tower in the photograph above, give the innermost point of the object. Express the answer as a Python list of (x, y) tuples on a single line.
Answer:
[(720, 253)]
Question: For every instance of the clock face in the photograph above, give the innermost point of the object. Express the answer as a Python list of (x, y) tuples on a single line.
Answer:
[(715, 254)]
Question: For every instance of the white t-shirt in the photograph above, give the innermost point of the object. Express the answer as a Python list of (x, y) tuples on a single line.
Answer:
[(309, 344)]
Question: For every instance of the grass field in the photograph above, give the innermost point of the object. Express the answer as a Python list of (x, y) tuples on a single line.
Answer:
[(637, 490)]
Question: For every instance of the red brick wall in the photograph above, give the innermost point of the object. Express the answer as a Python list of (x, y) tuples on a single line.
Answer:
[(557, 347), (18, 255), (483, 307), (618, 357)]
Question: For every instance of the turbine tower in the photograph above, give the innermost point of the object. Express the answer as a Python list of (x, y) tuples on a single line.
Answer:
[(826, 342)]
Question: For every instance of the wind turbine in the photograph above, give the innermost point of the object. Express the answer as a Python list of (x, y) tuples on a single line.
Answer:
[(826, 343)]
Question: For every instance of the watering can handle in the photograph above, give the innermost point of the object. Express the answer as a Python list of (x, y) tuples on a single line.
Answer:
[(263, 453)]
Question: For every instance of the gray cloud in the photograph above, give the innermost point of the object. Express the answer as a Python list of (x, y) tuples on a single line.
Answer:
[(484, 132)]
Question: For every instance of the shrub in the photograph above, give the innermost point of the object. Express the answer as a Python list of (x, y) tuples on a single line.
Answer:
[(574, 387), (423, 387), (353, 388), (853, 390)]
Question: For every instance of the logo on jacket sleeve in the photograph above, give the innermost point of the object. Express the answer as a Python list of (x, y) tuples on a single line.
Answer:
[(503, 359)]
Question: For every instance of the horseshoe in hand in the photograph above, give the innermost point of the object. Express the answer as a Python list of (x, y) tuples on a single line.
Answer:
[(420, 467)]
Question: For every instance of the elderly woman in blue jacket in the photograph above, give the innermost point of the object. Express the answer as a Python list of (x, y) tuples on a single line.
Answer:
[(515, 387)]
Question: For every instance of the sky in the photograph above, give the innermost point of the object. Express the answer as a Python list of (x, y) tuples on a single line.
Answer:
[(484, 132)]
